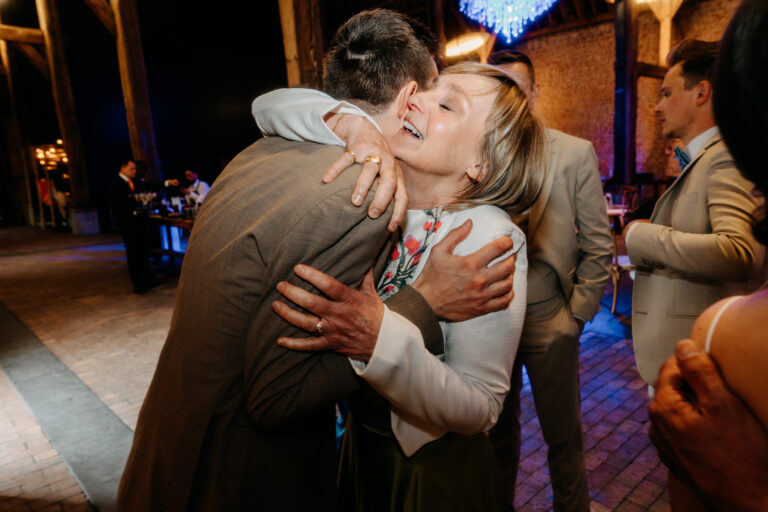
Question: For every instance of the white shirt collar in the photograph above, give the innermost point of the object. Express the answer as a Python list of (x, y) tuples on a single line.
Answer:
[(698, 141), (125, 178)]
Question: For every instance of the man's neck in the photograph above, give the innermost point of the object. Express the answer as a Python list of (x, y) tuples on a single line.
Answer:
[(699, 130)]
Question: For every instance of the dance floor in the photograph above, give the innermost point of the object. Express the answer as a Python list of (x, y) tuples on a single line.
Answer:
[(78, 348)]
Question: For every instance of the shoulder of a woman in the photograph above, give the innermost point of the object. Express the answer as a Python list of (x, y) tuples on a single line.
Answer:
[(733, 316), (488, 223)]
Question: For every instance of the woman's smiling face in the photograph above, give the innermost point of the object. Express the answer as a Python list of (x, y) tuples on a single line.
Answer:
[(444, 126)]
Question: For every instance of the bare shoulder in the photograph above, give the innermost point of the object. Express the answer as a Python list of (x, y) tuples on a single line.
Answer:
[(738, 329), (745, 317)]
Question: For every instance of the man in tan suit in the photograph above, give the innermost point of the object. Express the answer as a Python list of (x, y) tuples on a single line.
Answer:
[(698, 246), (569, 252), (231, 420)]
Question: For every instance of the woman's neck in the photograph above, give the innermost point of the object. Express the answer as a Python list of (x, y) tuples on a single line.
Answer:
[(426, 190)]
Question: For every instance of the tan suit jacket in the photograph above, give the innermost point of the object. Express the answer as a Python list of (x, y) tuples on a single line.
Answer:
[(232, 421), (697, 249), (569, 240)]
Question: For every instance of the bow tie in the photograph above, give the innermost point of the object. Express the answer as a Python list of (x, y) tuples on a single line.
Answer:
[(682, 157)]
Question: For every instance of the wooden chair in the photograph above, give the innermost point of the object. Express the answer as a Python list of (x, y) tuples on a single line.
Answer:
[(629, 199), (619, 266)]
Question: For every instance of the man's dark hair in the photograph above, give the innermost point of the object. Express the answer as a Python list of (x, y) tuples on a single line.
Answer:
[(510, 57), (697, 59), (125, 161), (374, 54), (740, 103)]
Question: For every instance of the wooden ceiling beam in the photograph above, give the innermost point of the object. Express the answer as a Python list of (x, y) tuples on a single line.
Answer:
[(593, 7), (35, 58), (578, 9), (651, 70), (552, 29), (21, 34), (104, 12)]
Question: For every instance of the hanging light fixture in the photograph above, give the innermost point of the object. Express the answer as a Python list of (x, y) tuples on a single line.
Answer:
[(507, 17)]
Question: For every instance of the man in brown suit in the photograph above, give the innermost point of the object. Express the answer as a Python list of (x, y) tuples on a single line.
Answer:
[(698, 246), (569, 251), (231, 420)]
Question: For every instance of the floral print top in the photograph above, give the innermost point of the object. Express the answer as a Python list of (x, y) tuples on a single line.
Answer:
[(409, 249)]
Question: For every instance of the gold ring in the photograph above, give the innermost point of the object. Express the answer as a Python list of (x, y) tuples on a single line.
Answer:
[(347, 150), (373, 158), (319, 328)]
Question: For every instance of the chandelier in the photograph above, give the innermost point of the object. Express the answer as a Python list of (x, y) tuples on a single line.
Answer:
[(507, 17)]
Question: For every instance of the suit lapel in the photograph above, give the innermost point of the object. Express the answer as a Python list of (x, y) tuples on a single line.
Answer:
[(667, 193), (546, 188)]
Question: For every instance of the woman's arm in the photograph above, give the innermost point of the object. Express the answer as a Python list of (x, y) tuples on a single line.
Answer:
[(300, 115), (462, 394)]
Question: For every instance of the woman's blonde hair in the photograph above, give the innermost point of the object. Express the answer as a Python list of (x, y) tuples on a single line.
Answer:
[(512, 148)]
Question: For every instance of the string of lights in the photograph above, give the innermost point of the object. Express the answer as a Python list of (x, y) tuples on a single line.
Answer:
[(507, 17)]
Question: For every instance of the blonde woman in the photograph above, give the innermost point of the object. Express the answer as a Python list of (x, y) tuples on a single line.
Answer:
[(470, 149)]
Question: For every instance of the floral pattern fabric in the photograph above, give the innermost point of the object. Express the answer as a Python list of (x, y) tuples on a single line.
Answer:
[(408, 250)]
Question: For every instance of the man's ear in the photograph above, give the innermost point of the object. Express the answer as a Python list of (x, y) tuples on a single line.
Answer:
[(401, 102), (477, 172), (703, 92)]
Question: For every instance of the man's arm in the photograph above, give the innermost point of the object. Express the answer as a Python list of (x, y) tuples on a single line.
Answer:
[(729, 253), (705, 434), (596, 244)]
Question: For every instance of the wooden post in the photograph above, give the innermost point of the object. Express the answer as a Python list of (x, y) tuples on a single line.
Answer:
[(302, 42), (290, 45), (133, 78), (48, 14), (625, 104), (19, 159)]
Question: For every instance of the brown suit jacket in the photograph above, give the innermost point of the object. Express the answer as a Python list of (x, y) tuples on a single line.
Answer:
[(569, 239), (232, 421), (697, 249)]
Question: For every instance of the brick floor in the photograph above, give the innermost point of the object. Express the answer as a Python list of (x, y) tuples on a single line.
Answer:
[(78, 301)]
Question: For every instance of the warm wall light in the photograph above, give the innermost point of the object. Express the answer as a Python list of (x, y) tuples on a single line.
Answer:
[(480, 43)]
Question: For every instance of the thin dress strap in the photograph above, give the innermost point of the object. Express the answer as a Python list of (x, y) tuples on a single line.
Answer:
[(712, 326)]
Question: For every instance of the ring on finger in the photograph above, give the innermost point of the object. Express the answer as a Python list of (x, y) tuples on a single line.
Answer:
[(347, 150), (373, 158), (319, 328)]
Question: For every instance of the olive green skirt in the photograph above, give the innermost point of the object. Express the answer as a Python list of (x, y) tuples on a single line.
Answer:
[(453, 473)]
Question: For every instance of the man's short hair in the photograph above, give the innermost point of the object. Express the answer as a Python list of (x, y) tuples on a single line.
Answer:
[(511, 57), (374, 54), (697, 58)]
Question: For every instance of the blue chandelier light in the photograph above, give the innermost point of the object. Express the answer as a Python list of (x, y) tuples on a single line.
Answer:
[(506, 17)]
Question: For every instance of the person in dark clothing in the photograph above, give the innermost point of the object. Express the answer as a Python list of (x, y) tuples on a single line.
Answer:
[(132, 224)]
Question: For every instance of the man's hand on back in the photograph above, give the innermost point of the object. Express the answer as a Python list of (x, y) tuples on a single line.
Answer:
[(462, 287)]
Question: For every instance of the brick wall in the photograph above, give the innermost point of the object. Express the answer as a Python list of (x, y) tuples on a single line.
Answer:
[(575, 72)]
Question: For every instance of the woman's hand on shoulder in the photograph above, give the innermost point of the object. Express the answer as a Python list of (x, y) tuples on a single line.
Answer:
[(367, 146)]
